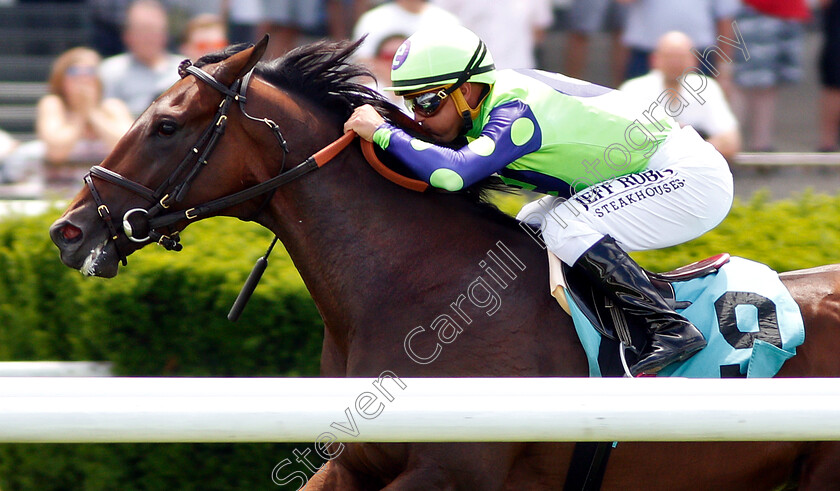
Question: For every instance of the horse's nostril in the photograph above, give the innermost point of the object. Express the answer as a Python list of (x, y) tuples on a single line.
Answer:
[(70, 232)]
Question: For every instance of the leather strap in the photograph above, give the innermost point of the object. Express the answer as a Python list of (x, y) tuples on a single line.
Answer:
[(398, 179), (588, 465), (329, 152), (324, 155), (114, 178), (212, 82)]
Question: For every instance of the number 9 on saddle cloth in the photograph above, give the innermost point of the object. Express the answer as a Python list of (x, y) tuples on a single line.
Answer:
[(750, 320)]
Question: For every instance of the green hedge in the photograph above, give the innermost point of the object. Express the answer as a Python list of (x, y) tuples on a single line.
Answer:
[(786, 235), (165, 315), (789, 234)]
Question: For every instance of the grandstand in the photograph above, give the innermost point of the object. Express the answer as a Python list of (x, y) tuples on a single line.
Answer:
[(35, 32), (33, 35)]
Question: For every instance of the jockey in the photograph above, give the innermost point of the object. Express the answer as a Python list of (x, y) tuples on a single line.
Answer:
[(620, 173)]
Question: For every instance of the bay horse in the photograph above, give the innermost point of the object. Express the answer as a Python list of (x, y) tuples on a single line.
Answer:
[(381, 261)]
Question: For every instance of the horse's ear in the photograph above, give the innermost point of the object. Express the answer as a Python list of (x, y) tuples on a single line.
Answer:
[(256, 55), (241, 63)]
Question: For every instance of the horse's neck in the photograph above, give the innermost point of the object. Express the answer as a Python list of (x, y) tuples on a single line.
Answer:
[(363, 245), (361, 232)]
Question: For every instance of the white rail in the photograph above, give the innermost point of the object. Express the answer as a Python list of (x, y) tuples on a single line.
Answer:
[(394, 410), (55, 369), (788, 158)]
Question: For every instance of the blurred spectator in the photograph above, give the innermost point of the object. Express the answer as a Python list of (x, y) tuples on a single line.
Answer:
[(380, 65), (242, 17), (712, 118), (587, 17), (20, 163), (286, 20), (193, 8), (774, 34), (248, 20), (181, 12), (7, 144), (396, 18), (342, 15), (830, 77), (204, 33), (107, 19), (147, 69), (512, 29), (73, 121), (700, 20)]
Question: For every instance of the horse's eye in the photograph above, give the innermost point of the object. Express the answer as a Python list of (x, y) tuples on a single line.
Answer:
[(167, 128)]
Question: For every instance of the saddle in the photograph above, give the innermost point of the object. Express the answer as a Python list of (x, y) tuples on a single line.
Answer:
[(615, 326), (622, 337)]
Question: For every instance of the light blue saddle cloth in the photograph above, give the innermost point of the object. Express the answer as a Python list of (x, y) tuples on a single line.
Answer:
[(750, 321)]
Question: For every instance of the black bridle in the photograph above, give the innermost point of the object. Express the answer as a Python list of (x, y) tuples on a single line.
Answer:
[(169, 193)]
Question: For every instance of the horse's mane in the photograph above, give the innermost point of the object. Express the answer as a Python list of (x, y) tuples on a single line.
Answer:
[(322, 73)]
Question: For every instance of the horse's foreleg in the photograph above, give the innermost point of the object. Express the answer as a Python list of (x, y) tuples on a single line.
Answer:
[(333, 476), (316, 482), (461, 466), (820, 470), (421, 479)]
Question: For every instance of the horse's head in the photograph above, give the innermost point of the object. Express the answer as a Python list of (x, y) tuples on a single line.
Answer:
[(163, 164)]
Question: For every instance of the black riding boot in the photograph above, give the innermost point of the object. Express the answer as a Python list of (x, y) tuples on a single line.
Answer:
[(672, 337)]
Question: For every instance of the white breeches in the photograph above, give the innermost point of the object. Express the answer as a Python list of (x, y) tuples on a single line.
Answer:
[(686, 191)]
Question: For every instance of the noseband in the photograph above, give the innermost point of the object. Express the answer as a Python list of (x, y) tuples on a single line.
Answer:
[(169, 193)]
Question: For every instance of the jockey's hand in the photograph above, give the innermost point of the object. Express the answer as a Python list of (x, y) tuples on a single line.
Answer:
[(364, 121)]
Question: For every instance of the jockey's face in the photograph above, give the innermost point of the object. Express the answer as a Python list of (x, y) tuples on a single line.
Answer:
[(445, 124)]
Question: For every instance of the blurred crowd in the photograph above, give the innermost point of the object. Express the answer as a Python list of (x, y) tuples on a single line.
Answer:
[(740, 52)]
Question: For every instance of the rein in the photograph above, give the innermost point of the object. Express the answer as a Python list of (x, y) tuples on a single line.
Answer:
[(313, 162)]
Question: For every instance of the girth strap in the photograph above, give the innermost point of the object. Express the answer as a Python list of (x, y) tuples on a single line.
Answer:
[(588, 466)]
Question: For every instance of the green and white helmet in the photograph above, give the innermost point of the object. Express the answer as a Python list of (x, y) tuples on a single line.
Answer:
[(441, 57)]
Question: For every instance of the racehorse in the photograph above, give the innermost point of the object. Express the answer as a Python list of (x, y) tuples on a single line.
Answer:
[(381, 261)]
